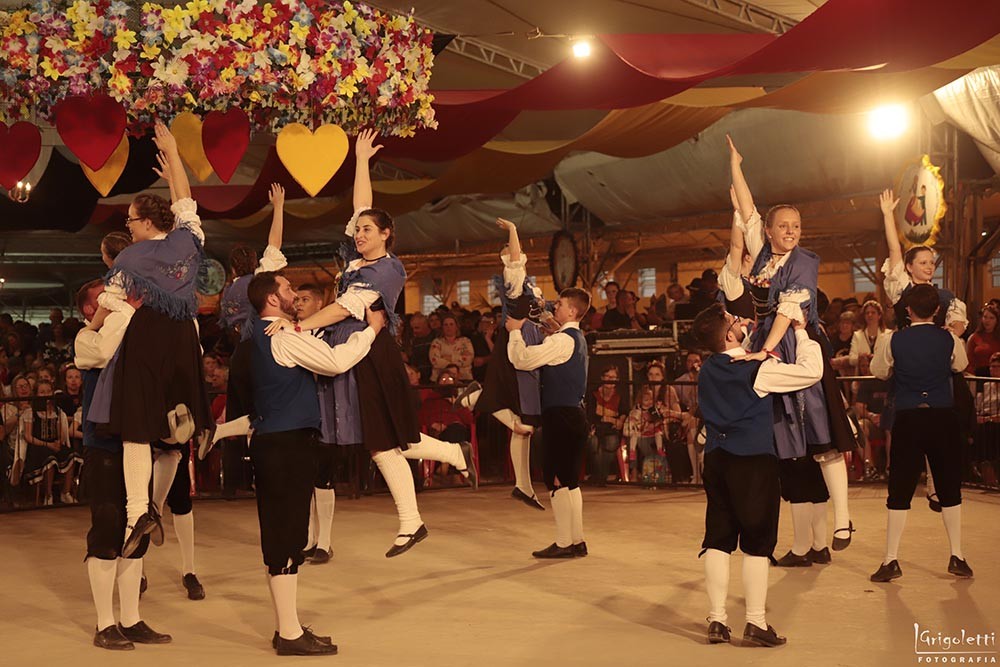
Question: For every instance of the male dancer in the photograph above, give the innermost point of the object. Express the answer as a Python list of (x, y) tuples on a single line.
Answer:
[(104, 480), (562, 358), (922, 359), (283, 448), (741, 467)]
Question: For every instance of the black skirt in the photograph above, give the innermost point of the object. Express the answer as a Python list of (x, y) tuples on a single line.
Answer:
[(158, 367), (500, 388), (841, 435), (388, 415)]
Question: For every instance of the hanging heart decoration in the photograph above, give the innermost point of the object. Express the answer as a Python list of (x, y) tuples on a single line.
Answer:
[(91, 127), (20, 147), (225, 137), (105, 178), (187, 129), (312, 158)]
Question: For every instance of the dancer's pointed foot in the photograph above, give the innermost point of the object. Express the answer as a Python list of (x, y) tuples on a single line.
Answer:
[(841, 543), (469, 471), (206, 441), (462, 397), (411, 539), (181, 424), (531, 501)]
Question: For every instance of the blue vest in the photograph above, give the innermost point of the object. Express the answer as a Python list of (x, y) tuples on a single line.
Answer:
[(90, 436), (284, 399), (564, 385), (921, 359), (736, 418)]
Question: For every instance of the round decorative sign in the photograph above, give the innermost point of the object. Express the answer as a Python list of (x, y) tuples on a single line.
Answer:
[(211, 277), (921, 203), (563, 260)]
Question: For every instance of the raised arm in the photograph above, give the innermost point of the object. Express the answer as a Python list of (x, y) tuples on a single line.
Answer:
[(513, 243), (277, 199), (180, 187), (743, 196), (363, 153), (887, 202)]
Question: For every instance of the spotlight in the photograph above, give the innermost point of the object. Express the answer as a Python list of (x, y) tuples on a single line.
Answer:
[(581, 48), (20, 192), (888, 122)]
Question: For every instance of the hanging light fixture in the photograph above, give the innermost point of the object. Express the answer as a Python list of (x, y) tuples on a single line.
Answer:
[(20, 193)]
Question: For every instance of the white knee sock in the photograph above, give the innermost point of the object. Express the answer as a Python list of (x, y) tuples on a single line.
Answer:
[(165, 462), (930, 479), (894, 533), (717, 583), (755, 588), (835, 476), (562, 509), (284, 589), (184, 528), (802, 525), (129, 576), (469, 402), (274, 605), (952, 517), (576, 528), (231, 429), (325, 500), (102, 587), (432, 449), (520, 458), (819, 526), (138, 469), (399, 478), (313, 523)]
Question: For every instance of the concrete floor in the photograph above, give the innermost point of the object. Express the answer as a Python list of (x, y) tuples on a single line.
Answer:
[(472, 595)]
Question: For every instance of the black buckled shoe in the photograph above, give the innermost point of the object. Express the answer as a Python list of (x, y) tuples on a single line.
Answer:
[(718, 633), (306, 644), (821, 557), (194, 588), (147, 524), (555, 551), (140, 633), (794, 560), (530, 501), (412, 539), (309, 553), (959, 568), (754, 636), (841, 543), (321, 556), (306, 630), (580, 550), (933, 502), (470, 472), (887, 572), (112, 639)]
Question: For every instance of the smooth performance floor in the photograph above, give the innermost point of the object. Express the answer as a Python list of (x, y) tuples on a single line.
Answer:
[(471, 594)]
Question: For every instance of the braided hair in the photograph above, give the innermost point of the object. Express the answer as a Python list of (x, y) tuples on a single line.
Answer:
[(156, 209)]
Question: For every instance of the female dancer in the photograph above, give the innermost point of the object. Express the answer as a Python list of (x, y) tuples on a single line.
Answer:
[(46, 432), (810, 425), (364, 404), (158, 364)]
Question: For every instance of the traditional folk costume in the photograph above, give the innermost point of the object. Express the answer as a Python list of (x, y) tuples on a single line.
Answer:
[(921, 360), (562, 361), (741, 475)]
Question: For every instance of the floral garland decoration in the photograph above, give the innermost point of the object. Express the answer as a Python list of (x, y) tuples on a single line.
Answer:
[(285, 61)]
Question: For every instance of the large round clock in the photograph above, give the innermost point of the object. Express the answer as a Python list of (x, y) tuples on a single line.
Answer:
[(211, 277), (563, 260)]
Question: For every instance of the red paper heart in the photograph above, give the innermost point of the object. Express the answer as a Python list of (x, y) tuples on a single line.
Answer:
[(20, 147), (225, 137), (91, 127)]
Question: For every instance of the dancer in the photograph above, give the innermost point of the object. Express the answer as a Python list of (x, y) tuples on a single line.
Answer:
[(158, 366), (562, 359), (510, 395), (921, 360), (103, 477), (283, 448), (741, 471), (364, 405), (812, 421)]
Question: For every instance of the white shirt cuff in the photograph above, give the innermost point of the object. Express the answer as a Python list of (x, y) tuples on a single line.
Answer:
[(272, 260)]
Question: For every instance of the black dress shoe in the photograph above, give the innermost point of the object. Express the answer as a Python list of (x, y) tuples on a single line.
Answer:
[(143, 585), (470, 474), (412, 538), (323, 639), (580, 550), (754, 636), (959, 568), (794, 560), (194, 588), (309, 553), (140, 633), (887, 572), (933, 502), (467, 390), (530, 501), (147, 524), (321, 556), (841, 543), (555, 551), (718, 633), (821, 557), (306, 644), (112, 639)]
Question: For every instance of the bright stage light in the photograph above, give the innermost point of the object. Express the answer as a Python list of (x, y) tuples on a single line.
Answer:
[(888, 122), (581, 48)]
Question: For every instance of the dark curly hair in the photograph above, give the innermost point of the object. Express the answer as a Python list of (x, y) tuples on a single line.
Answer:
[(242, 260), (156, 209)]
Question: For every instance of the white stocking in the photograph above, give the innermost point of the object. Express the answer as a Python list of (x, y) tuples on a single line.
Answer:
[(165, 462), (138, 469), (562, 509), (819, 526), (717, 583), (102, 586), (184, 528), (835, 476), (432, 449), (755, 588), (129, 576), (952, 517), (325, 500), (284, 590), (802, 523), (399, 478)]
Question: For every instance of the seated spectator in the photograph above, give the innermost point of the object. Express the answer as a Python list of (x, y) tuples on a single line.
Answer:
[(624, 316), (644, 431), (434, 323), (451, 348), (418, 349), (863, 342), (675, 296), (984, 342), (209, 364), (606, 414), (441, 418), (481, 348), (12, 439), (688, 393), (840, 344), (871, 396), (46, 433), (57, 349), (679, 427)]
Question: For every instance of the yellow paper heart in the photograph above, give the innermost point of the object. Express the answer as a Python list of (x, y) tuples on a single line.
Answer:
[(105, 178), (312, 158), (186, 128)]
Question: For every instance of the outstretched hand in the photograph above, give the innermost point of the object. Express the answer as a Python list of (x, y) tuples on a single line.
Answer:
[(277, 195), (363, 148), (279, 325), (163, 171), (734, 155), (164, 140), (888, 201), (506, 225)]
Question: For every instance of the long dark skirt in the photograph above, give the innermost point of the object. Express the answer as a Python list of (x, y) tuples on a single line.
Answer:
[(388, 415), (500, 387), (841, 436)]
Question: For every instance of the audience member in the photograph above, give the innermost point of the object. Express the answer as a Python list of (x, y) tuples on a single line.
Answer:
[(451, 348)]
